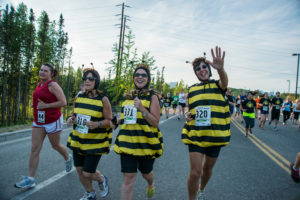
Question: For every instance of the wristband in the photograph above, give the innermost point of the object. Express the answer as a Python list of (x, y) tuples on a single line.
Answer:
[(99, 124)]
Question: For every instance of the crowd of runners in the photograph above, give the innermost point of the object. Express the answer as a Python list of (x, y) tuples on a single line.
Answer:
[(207, 108)]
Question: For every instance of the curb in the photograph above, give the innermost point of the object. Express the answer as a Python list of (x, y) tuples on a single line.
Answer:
[(18, 134)]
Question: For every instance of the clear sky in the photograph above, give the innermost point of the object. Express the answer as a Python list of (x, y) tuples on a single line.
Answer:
[(259, 36)]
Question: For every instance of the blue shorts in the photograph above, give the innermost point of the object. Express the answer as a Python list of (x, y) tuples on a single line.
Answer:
[(264, 112)]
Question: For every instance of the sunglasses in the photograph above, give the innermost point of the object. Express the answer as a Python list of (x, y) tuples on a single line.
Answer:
[(199, 68), (90, 78), (142, 75)]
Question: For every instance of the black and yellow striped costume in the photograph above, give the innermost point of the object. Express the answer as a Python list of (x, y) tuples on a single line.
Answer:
[(140, 139), (218, 133), (97, 141)]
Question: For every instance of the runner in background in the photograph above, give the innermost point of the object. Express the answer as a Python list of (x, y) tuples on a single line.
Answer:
[(243, 98), (249, 113), (175, 102), (258, 106), (265, 105), (230, 101), (182, 103), (167, 104), (295, 112), (275, 112), (237, 108), (287, 107)]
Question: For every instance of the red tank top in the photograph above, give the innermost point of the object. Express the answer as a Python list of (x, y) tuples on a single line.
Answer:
[(44, 116)]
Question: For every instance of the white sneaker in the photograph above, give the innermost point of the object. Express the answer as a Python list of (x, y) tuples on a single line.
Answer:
[(25, 182), (200, 196), (69, 163), (104, 188)]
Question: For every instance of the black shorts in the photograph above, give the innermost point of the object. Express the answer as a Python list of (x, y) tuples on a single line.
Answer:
[(182, 104), (130, 164), (174, 106), (209, 151), (275, 114), (296, 115), (88, 163)]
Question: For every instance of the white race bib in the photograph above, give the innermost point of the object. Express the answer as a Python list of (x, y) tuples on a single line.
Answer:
[(41, 116), (81, 119), (238, 102), (130, 114), (277, 107), (166, 104), (202, 117), (265, 108)]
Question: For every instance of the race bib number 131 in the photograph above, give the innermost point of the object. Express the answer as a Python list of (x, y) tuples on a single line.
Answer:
[(130, 114), (202, 117)]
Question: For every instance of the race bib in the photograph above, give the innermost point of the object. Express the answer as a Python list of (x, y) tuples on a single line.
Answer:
[(166, 104), (130, 114), (238, 102), (202, 117), (277, 107), (265, 108), (81, 119), (41, 116)]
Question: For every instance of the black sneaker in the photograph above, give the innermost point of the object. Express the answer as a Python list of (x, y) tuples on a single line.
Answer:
[(250, 131)]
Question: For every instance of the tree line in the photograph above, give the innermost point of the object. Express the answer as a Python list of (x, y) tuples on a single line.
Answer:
[(27, 41)]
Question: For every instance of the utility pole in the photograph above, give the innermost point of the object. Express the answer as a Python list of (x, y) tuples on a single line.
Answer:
[(122, 47), (296, 54), (289, 85)]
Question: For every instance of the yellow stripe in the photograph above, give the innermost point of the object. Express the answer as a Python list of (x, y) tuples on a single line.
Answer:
[(145, 103), (261, 144), (204, 144), (89, 146), (138, 139), (216, 121), (92, 113), (136, 152), (201, 87), (92, 135), (95, 102), (216, 133), (206, 96)]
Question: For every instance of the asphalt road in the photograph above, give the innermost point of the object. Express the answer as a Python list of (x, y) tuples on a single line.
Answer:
[(248, 168)]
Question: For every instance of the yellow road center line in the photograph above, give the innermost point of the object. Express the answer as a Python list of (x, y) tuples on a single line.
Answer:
[(261, 147)]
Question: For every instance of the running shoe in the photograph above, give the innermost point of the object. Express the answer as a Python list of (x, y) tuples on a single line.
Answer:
[(251, 131), (275, 128), (89, 196), (69, 163), (270, 122), (150, 192), (25, 182), (294, 173), (104, 188), (201, 195)]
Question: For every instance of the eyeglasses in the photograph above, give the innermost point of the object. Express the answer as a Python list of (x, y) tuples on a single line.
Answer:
[(142, 75), (90, 78), (199, 68)]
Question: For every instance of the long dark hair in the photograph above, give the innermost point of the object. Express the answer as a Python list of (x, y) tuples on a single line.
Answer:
[(54, 72)]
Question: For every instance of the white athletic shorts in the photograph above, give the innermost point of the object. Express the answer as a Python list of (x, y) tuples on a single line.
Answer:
[(53, 127)]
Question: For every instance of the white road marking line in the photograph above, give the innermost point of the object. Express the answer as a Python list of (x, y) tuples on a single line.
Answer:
[(23, 139), (41, 185)]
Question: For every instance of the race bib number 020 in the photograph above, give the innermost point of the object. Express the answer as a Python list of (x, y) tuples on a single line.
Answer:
[(41, 116), (202, 117), (130, 114), (81, 119), (277, 107)]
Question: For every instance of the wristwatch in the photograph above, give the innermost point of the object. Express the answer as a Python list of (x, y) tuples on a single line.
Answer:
[(144, 114)]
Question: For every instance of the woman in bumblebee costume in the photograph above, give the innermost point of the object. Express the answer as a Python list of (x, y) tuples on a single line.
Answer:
[(91, 135), (207, 126), (139, 141)]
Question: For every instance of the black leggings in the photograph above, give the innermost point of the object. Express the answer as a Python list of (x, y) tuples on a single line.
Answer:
[(286, 115)]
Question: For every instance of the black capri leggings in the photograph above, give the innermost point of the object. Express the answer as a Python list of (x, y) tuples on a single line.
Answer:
[(286, 115)]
